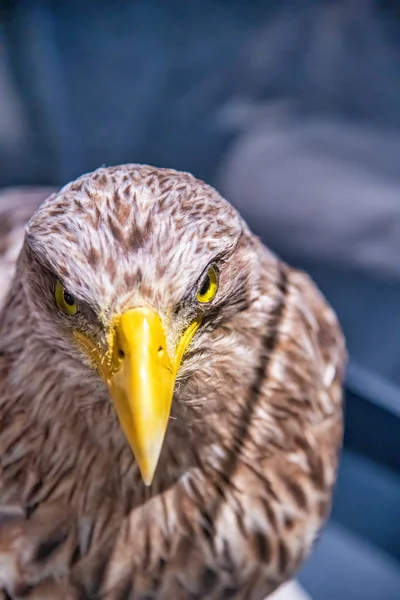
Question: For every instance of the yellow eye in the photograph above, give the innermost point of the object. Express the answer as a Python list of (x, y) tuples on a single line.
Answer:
[(64, 300), (209, 286)]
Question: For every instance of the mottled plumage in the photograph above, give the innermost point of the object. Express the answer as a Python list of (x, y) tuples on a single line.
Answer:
[(245, 475)]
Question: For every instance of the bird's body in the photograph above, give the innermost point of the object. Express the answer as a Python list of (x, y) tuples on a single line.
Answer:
[(245, 474)]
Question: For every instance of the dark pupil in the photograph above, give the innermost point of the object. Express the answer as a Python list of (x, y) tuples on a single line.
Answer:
[(205, 286), (69, 299)]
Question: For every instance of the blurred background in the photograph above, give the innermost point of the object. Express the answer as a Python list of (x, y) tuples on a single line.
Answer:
[(292, 110)]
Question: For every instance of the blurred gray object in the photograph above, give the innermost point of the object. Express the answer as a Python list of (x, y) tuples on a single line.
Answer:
[(320, 188)]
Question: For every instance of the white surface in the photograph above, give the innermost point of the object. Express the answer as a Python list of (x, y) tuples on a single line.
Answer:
[(290, 591)]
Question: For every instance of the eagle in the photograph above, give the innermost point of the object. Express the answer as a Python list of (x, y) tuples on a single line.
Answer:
[(171, 397)]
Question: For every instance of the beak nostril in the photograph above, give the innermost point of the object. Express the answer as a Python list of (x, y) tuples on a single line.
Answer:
[(160, 351), (121, 353)]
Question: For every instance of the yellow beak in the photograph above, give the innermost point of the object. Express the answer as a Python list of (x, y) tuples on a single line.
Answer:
[(142, 388)]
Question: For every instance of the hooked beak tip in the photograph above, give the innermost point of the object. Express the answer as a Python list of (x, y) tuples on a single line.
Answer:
[(147, 480), (148, 461)]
